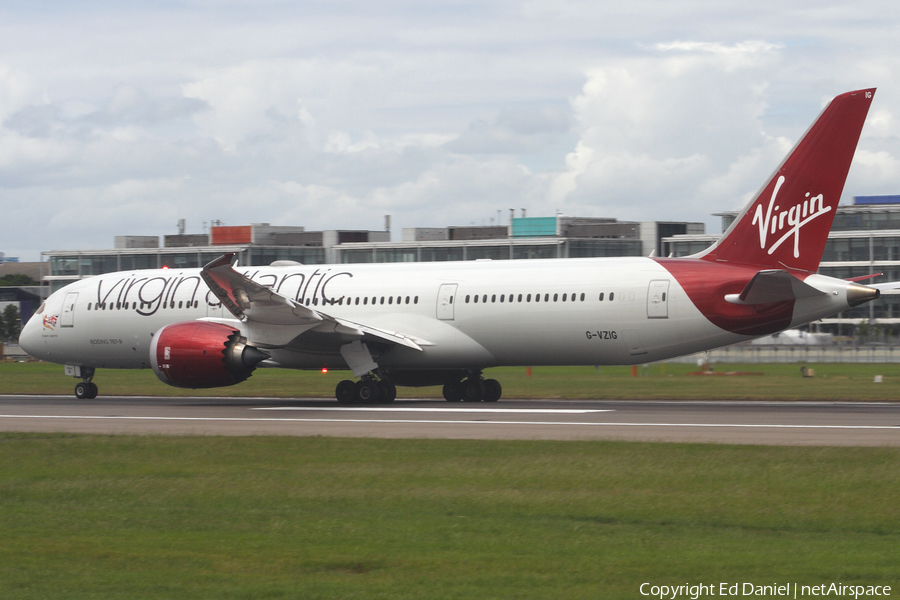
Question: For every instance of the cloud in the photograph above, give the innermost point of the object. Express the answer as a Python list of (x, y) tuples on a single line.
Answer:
[(122, 119), (516, 131), (681, 126)]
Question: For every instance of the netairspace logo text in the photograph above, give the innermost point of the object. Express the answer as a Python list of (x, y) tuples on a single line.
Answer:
[(789, 590)]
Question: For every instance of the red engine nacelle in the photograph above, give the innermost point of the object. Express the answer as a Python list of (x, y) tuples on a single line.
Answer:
[(200, 354)]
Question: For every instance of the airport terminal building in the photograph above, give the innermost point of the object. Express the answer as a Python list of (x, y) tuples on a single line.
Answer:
[(262, 244)]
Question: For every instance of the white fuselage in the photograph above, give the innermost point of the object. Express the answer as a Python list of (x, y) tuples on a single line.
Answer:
[(469, 314)]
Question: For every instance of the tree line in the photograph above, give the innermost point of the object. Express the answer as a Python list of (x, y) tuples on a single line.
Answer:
[(10, 323), (17, 280)]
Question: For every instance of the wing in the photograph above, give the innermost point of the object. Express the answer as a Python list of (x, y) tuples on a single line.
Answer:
[(275, 320)]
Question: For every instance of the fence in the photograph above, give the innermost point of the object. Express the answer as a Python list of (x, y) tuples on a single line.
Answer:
[(836, 353)]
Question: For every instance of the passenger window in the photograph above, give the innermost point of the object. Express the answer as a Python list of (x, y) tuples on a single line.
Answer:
[(416, 300), (528, 298), (612, 296), (520, 297), (601, 296), (476, 298), (582, 297), (484, 298), (546, 297), (555, 297), (467, 298)]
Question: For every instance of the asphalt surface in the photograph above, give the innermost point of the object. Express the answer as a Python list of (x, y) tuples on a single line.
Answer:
[(781, 423)]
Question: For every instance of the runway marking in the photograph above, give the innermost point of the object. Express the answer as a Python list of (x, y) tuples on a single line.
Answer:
[(530, 411), (451, 422)]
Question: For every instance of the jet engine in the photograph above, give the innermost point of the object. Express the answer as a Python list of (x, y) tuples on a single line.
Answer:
[(200, 354)]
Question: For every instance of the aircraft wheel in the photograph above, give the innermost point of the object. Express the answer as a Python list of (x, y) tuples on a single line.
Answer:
[(492, 390), (387, 391), (82, 390), (472, 390), (452, 392), (93, 391), (367, 391), (345, 392)]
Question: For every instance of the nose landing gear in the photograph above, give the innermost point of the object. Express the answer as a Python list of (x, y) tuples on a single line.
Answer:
[(86, 389)]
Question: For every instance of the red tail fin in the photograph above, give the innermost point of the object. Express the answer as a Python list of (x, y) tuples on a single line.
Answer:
[(786, 226)]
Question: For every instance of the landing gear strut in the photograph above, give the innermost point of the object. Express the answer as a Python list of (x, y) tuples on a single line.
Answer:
[(86, 389)]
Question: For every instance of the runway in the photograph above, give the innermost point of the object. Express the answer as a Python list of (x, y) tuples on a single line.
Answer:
[(779, 423)]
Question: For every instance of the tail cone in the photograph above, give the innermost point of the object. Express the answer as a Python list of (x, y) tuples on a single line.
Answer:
[(860, 294)]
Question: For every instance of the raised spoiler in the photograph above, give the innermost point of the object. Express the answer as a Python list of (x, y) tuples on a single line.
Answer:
[(252, 303)]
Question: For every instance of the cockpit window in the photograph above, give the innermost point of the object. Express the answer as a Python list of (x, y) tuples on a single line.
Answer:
[(40, 310)]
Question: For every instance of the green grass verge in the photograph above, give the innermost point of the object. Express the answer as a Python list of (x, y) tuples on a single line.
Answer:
[(833, 381), (275, 517)]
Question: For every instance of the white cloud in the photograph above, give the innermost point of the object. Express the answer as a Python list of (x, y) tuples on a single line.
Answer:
[(121, 119), (670, 131)]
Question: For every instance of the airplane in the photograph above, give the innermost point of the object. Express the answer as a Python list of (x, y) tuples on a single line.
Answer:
[(427, 324)]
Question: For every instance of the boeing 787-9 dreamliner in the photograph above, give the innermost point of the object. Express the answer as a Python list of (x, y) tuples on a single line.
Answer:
[(422, 324)]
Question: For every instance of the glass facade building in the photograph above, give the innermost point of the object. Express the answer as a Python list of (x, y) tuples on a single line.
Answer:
[(527, 238), (66, 266)]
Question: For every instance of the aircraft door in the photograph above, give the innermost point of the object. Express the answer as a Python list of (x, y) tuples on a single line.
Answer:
[(658, 299), (67, 318), (446, 297)]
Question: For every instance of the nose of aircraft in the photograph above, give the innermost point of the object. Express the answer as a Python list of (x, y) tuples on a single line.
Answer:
[(30, 336)]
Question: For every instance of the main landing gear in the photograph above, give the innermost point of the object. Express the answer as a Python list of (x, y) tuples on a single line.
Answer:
[(367, 390), (376, 388), (473, 389), (86, 389)]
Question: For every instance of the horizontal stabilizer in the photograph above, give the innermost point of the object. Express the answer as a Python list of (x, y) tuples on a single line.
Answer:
[(771, 286), (891, 287), (863, 277)]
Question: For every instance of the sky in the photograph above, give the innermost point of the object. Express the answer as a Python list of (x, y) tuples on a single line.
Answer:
[(120, 118)]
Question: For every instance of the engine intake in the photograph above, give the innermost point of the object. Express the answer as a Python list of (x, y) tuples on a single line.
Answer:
[(200, 354)]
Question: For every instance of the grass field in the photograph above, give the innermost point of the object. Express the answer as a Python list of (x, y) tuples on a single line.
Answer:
[(272, 517), (833, 381)]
